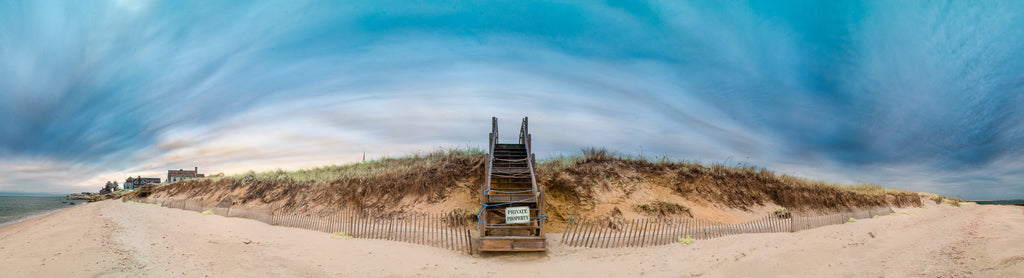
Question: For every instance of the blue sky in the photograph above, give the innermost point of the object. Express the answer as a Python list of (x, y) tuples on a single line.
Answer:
[(917, 95)]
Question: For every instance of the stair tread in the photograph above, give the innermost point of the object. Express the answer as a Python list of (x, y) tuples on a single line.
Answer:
[(510, 227), (513, 237)]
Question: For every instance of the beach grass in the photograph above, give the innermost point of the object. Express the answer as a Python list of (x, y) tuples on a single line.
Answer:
[(570, 180)]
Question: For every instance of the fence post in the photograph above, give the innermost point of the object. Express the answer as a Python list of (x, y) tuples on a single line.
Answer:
[(585, 234), (568, 227)]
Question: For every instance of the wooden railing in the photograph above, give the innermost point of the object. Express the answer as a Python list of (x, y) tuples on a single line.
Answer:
[(493, 139), (524, 138)]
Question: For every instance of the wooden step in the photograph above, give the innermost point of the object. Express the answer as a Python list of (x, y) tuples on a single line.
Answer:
[(513, 243), (511, 227), (499, 190), (526, 199), (511, 170), (509, 146)]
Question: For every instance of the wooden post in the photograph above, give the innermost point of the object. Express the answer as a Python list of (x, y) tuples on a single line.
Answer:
[(681, 231), (638, 233), (610, 235), (446, 229), (592, 233), (660, 239), (462, 227), (373, 217), (431, 220), (451, 231), (658, 235), (705, 228), (605, 233), (577, 235), (712, 229), (627, 238), (577, 222), (620, 236), (349, 222), (380, 225), (405, 227), (568, 227), (368, 221), (643, 231), (354, 222), (423, 217), (362, 217), (585, 233), (439, 224), (456, 227), (371, 220), (389, 222)]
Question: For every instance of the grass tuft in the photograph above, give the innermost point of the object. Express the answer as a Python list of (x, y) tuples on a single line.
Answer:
[(340, 235)]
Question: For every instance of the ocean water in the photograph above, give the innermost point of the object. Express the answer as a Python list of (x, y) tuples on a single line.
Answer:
[(14, 208)]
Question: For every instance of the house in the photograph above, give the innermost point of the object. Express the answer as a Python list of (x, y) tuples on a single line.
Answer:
[(133, 183), (179, 175)]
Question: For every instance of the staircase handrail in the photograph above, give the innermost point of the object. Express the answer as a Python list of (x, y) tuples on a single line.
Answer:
[(493, 138), (524, 130), (524, 138)]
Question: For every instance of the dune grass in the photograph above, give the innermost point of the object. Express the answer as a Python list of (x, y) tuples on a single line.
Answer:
[(578, 178), (372, 184), (574, 180)]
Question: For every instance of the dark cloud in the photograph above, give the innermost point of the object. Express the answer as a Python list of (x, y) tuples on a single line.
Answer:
[(914, 94)]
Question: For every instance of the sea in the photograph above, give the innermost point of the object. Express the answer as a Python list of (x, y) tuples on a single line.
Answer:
[(14, 209)]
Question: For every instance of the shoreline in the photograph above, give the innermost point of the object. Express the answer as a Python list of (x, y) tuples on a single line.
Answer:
[(36, 215)]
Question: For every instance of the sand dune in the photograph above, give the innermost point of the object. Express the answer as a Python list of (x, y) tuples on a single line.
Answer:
[(115, 239)]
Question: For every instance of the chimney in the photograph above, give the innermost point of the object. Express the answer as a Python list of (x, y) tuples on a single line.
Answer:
[(196, 173)]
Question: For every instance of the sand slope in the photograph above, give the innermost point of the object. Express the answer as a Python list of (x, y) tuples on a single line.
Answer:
[(116, 239)]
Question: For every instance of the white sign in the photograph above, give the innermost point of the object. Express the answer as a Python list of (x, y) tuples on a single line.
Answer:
[(517, 215)]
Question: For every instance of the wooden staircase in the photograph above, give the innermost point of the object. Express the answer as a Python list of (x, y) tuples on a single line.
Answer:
[(511, 187)]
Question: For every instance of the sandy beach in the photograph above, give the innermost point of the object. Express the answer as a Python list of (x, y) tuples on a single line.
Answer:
[(115, 239)]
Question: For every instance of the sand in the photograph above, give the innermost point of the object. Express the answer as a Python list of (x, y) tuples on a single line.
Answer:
[(115, 239)]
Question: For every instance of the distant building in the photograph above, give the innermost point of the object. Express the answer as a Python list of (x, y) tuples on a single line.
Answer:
[(133, 183), (179, 175)]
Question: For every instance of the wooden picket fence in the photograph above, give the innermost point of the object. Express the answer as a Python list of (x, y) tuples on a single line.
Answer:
[(439, 230), (609, 233)]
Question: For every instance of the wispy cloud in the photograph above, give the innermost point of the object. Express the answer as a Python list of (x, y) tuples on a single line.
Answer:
[(914, 94)]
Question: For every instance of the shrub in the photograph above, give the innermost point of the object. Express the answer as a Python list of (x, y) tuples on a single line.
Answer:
[(662, 208), (686, 240), (851, 220)]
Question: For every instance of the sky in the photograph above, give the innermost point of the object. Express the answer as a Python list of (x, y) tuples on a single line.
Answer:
[(917, 95)]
